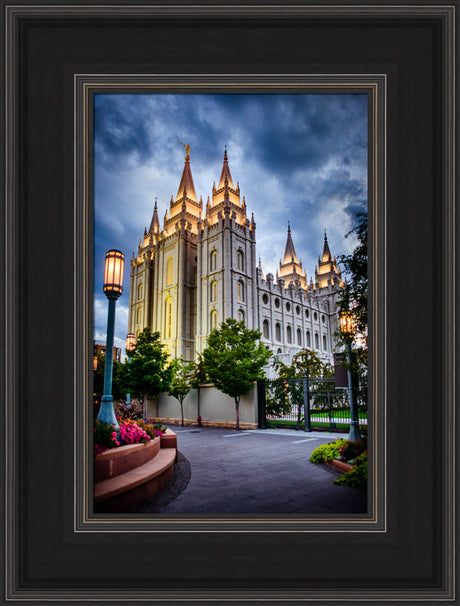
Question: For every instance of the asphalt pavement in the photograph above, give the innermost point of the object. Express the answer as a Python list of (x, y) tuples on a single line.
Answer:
[(222, 470)]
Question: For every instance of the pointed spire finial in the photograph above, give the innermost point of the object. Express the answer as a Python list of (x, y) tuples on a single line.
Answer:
[(289, 228)]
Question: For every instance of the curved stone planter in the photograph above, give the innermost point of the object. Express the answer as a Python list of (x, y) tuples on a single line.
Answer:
[(127, 476), (116, 461)]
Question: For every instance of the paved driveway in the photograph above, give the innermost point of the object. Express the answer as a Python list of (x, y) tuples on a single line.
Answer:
[(255, 471)]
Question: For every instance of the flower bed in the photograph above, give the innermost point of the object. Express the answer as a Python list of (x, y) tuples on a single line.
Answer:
[(349, 457)]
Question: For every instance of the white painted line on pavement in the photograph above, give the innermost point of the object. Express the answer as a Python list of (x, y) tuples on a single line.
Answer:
[(235, 435), (307, 440)]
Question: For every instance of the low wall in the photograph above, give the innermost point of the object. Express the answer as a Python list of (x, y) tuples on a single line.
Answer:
[(214, 407)]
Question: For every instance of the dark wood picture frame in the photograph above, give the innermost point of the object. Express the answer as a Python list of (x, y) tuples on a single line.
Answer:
[(55, 550)]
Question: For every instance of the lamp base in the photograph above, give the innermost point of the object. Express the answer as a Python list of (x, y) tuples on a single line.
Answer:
[(107, 412)]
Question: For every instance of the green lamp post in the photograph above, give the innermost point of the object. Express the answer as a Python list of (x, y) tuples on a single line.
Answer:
[(113, 287)]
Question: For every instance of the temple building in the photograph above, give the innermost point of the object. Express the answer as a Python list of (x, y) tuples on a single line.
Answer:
[(201, 268)]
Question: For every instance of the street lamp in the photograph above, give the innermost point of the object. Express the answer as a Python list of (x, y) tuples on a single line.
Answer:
[(347, 330), (113, 287), (130, 342)]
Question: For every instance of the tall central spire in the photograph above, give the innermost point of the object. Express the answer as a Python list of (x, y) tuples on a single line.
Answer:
[(186, 187)]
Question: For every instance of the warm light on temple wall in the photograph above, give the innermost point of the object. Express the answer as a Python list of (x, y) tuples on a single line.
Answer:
[(347, 324), (324, 269), (94, 363), (113, 273), (130, 341)]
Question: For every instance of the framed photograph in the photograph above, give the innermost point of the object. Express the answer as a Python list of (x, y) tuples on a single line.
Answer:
[(61, 64)]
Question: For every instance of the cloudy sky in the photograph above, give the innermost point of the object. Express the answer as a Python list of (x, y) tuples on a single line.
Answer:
[(300, 158)]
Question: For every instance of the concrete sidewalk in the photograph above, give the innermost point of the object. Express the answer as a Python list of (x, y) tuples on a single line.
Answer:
[(253, 471)]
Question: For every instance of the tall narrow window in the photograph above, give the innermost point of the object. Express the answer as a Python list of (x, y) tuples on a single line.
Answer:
[(213, 293), (213, 260), (278, 331), (240, 290), (139, 315), (289, 334), (169, 271), (168, 331), (139, 290), (308, 338), (240, 315), (324, 343), (266, 329), (213, 319), (299, 337), (316, 341), (240, 260)]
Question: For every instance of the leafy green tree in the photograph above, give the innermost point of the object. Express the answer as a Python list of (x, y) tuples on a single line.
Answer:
[(147, 372), (181, 382), (354, 294), (234, 358)]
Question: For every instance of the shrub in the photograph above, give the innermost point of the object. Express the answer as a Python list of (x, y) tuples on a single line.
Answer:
[(104, 437), (356, 477), (132, 411), (327, 452), (131, 433), (351, 450)]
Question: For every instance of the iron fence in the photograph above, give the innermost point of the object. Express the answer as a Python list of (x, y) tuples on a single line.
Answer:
[(309, 403)]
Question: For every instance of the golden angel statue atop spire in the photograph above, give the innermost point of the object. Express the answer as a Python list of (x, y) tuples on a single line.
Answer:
[(187, 150)]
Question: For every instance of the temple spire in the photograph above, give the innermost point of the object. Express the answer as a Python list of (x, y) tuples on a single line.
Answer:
[(289, 253), (225, 176), (186, 187), (326, 251), (155, 223)]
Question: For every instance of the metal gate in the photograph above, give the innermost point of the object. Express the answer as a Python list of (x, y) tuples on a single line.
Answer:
[(308, 403)]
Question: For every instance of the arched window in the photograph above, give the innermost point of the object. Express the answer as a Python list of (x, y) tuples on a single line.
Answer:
[(139, 315), (316, 341), (289, 334), (308, 339), (299, 337), (168, 318), (279, 350), (324, 343), (266, 329), (213, 291), (213, 260), (240, 290), (139, 290), (213, 319), (240, 315), (169, 271), (240, 260), (278, 331)]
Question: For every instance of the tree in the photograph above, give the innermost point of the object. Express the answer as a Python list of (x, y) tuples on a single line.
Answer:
[(234, 358), (147, 373), (182, 381), (354, 294)]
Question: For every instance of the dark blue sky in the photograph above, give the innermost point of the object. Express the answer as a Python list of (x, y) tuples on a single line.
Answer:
[(298, 157)]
